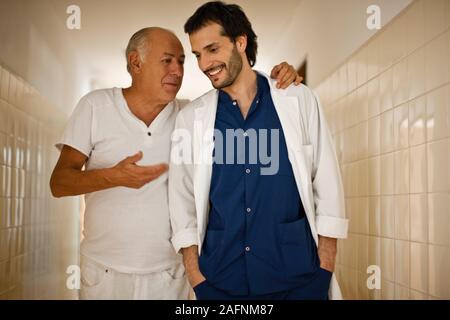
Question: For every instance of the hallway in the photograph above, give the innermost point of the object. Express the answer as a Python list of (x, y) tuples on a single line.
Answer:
[(385, 93)]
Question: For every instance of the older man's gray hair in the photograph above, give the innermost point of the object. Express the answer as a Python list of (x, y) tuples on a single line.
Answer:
[(138, 43)]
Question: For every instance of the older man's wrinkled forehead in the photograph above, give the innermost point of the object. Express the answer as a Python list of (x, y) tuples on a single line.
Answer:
[(163, 40)]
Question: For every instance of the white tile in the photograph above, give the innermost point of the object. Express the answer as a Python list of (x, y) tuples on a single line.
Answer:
[(402, 263), (447, 54), (3, 214), (419, 267), (417, 121), (374, 97), (386, 87), (401, 172), (343, 88), (436, 63), (439, 218), (387, 132), (5, 183), (387, 290), (362, 107), (9, 112), (401, 293), (398, 29), (6, 208), (363, 253), (352, 117), (4, 84), (3, 116), (438, 114), (386, 50), (387, 174), (438, 166), (417, 295), (374, 176), (14, 183), (416, 73), (401, 127), (352, 248), (351, 216), (435, 22), (20, 93), (352, 74), (419, 217), (5, 237), (375, 216), (3, 287), (335, 86), (375, 294), (364, 215), (402, 217), (12, 94), (8, 151), (353, 284), (400, 83), (375, 252), (447, 14), (339, 145), (374, 136), (448, 110), (363, 178), (3, 149), (415, 36), (364, 140), (361, 75), (373, 53), (387, 217), (439, 277), (388, 259), (418, 169), (363, 291)]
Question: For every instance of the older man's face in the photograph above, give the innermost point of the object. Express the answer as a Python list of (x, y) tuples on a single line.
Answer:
[(163, 69)]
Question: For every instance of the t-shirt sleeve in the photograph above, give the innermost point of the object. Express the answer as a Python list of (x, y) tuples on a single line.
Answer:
[(78, 132)]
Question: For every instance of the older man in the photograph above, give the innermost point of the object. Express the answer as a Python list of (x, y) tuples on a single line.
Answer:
[(122, 138)]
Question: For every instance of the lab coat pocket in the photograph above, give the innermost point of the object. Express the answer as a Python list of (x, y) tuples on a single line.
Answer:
[(297, 248)]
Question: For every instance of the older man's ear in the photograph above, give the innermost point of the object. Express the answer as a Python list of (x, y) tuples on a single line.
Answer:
[(285, 74)]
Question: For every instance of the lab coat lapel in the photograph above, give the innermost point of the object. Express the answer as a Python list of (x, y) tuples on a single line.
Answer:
[(203, 146)]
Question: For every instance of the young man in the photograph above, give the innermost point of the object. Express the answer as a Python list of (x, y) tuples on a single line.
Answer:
[(126, 251), (249, 228)]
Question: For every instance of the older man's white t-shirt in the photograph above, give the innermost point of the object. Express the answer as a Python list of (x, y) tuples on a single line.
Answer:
[(124, 228)]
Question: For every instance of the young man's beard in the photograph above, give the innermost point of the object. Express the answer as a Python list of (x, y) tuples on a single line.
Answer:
[(234, 68)]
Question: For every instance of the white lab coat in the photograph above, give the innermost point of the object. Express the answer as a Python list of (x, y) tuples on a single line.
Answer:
[(311, 154)]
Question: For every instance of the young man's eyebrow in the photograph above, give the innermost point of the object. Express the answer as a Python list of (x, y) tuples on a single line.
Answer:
[(207, 47)]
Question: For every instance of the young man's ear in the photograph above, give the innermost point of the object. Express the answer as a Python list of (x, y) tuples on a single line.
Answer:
[(241, 43)]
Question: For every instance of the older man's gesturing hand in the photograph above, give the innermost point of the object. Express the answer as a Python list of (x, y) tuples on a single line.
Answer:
[(69, 178), (131, 175)]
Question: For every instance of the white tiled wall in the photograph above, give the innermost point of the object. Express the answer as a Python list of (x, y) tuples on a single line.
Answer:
[(388, 107), (38, 235)]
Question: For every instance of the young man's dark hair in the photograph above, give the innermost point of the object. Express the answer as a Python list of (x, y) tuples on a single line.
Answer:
[(233, 20)]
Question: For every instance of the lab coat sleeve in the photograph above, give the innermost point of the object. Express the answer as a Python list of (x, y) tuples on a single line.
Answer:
[(327, 185), (181, 191)]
